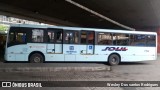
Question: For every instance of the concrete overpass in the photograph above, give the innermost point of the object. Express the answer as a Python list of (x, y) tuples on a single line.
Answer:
[(138, 14)]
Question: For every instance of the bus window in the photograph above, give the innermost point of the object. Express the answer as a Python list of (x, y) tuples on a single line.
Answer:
[(151, 40), (54, 36), (37, 35), (51, 36), (138, 40), (21, 37), (71, 37), (90, 37), (76, 34), (120, 39), (11, 37), (58, 36), (104, 38), (83, 37), (17, 37)]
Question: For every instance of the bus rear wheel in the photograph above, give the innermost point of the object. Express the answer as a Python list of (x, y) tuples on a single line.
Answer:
[(36, 58), (114, 59)]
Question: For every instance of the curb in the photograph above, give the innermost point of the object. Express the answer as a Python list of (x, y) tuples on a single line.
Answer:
[(54, 69)]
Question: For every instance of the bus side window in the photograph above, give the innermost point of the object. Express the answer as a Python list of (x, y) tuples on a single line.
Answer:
[(37, 35), (138, 40), (11, 37), (151, 40), (83, 38), (131, 39), (24, 37), (58, 37), (51, 36), (71, 37), (90, 37), (21, 37), (17, 37), (76, 37), (104, 38), (121, 39)]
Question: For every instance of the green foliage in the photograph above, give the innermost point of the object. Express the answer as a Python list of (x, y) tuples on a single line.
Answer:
[(3, 27)]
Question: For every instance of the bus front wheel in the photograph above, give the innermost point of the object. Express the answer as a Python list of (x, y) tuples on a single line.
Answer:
[(36, 58), (114, 59)]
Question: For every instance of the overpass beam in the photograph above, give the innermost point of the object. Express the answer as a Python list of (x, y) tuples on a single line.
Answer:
[(33, 16)]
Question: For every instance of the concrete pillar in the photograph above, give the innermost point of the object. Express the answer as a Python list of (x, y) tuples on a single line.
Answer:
[(158, 41)]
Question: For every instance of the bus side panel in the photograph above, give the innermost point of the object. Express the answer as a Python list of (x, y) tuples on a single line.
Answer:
[(79, 53), (17, 53), (71, 49), (54, 57), (139, 54), (34, 47), (102, 50), (10, 57), (43, 49), (70, 57), (91, 58), (128, 53)]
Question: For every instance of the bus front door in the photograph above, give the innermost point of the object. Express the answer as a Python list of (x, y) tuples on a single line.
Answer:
[(54, 41), (87, 38)]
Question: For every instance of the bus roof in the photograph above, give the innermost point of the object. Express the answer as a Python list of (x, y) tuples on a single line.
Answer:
[(81, 28)]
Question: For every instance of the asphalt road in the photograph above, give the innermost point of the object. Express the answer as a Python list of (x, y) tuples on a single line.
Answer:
[(139, 71)]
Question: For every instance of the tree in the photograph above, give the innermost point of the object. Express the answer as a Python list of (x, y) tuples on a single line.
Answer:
[(3, 27)]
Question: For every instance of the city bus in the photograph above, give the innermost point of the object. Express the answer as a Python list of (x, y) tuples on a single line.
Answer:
[(38, 44)]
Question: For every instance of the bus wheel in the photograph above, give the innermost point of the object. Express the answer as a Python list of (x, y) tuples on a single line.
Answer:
[(114, 59), (36, 58)]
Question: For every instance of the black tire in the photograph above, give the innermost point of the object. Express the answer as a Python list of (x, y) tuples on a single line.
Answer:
[(36, 58), (114, 59)]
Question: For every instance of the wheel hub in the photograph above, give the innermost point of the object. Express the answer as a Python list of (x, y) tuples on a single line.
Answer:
[(37, 59), (114, 60)]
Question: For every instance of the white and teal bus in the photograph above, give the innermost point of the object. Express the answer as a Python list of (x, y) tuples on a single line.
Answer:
[(38, 44)]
